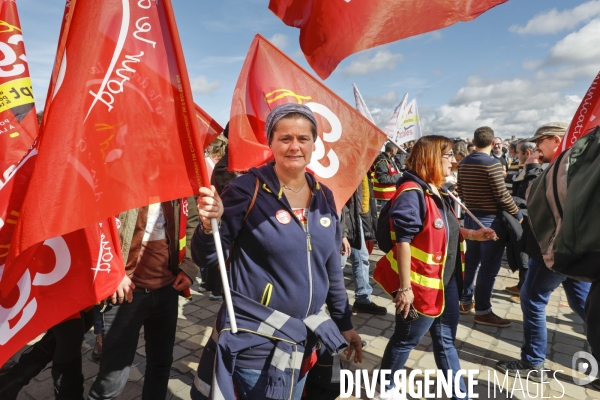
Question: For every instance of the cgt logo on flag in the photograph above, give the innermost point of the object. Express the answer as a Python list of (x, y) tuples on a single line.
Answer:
[(323, 170)]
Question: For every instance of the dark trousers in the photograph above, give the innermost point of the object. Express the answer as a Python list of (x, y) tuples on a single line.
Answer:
[(61, 345), (157, 312)]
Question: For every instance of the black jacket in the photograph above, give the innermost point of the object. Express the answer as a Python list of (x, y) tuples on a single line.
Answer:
[(532, 171), (382, 170), (353, 214)]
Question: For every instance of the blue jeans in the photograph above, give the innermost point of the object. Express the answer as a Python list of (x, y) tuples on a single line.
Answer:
[(489, 254), (250, 384), (539, 284), (360, 270), (157, 312), (443, 335)]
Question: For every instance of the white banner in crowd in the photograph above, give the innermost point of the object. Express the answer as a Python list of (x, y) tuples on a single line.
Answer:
[(410, 129), (395, 123), (361, 107)]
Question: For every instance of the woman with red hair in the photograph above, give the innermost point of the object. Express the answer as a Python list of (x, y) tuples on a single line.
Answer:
[(423, 271)]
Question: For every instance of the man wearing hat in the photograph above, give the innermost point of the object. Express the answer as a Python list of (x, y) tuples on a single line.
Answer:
[(540, 281)]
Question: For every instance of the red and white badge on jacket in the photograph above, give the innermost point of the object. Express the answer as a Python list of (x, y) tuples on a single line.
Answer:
[(283, 217)]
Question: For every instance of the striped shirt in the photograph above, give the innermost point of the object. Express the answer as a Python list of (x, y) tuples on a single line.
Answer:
[(481, 185)]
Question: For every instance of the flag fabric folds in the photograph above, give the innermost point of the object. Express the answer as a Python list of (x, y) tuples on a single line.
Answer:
[(395, 123), (347, 144), (586, 118), (332, 30), (120, 130), (18, 120), (361, 106), (410, 127)]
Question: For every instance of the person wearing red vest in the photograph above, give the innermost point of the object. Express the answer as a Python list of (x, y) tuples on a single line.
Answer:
[(385, 173), (425, 267)]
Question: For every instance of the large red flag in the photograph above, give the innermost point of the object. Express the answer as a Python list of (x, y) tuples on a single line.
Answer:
[(120, 132), (60, 276), (347, 144), (18, 120), (586, 118), (331, 30)]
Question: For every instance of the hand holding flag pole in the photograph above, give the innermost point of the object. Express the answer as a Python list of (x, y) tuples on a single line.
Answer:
[(478, 222), (193, 136)]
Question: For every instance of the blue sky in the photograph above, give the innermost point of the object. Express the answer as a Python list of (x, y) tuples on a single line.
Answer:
[(521, 64)]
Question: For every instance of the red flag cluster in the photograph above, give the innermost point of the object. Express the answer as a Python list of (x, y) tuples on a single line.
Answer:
[(120, 130), (332, 30)]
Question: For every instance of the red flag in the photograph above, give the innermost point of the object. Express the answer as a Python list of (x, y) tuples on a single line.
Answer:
[(18, 120), (63, 276), (58, 277), (120, 132), (209, 128), (347, 144), (586, 118), (332, 30)]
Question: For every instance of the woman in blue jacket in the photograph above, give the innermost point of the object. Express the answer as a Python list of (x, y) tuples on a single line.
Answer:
[(281, 229)]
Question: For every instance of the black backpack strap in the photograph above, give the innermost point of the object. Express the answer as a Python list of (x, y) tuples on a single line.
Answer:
[(555, 183)]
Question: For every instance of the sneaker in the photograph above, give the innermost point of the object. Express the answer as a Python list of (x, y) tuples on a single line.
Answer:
[(466, 308), (512, 290), (368, 308), (215, 297), (512, 367), (515, 299), (97, 353), (492, 319)]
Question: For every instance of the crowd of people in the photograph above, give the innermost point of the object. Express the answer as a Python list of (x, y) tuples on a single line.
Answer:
[(286, 247)]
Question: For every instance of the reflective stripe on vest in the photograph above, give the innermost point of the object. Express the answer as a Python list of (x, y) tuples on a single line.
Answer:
[(383, 191), (426, 268), (428, 253)]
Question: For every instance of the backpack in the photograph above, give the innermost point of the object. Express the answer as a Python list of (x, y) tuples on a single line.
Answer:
[(382, 234), (563, 205)]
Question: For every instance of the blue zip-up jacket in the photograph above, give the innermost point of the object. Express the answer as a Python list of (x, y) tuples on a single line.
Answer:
[(303, 268)]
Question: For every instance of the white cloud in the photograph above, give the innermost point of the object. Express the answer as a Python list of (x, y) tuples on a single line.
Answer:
[(554, 21), (578, 47), (279, 40), (518, 105), (382, 60), (389, 98), (201, 85)]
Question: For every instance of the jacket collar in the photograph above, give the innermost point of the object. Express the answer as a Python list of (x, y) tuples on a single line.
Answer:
[(266, 174)]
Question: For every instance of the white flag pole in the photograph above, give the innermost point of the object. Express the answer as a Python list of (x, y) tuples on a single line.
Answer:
[(478, 222), (225, 281)]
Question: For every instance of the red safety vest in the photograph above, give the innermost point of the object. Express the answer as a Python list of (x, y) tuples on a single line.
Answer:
[(428, 251), (382, 191)]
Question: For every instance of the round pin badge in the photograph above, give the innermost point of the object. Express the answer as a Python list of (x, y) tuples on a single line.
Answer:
[(283, 217), (325, 221), (438, 223)]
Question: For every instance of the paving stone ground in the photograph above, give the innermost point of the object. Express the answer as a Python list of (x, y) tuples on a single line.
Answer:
[(479, 347)]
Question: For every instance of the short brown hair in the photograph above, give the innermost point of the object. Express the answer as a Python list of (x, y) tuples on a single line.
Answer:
[(483, 137), (425, 158)]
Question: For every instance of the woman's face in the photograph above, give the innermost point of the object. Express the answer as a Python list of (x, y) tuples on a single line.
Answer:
[(292, 144), (448, 161)]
